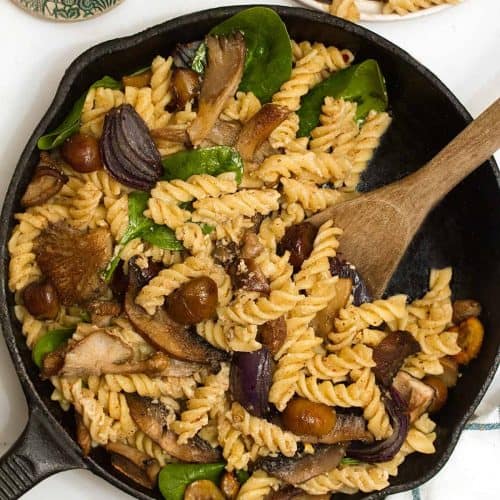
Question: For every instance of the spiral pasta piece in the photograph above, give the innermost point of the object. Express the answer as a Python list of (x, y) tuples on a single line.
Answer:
[(305, 74), (403, 7), (142, 101), (246, 202), (145, 444), (285, 132), (421, 364), (258, 486), (241, 107), (346, 9), (206, 401), (97, 103), (117, 215), (115, 405), (194, 239), (233, 446), (263, 432), (338, 126), (166, 213), (161, 74), (228, 336), (85, 212), (307, 166)]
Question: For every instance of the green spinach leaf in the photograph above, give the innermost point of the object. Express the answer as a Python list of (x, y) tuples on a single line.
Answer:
[(268, 61), (174, 478), (349, 461), (139, 226), (71, 123), (362, 83), (242, 476), (212, 161), (49, 343)]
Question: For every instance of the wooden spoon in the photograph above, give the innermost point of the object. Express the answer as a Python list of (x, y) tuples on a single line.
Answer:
[(378, 226)]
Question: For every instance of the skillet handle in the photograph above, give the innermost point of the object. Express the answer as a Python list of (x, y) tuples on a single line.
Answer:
[(36, 455)]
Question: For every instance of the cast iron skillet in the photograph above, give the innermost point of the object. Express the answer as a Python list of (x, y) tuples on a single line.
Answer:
[(463, 231)]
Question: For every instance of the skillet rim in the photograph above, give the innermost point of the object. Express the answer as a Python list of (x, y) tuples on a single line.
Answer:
[(34, 399)]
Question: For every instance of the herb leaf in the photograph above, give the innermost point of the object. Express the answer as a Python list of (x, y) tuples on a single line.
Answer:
[(49, 343), (174, 478), (71, 123), (349, 461), (213, 161), (362, 83)]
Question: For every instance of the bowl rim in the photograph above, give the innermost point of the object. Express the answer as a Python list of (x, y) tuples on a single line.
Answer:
[(69, 78)]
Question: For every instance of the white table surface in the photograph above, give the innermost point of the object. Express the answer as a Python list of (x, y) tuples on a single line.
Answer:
[(460, 45)]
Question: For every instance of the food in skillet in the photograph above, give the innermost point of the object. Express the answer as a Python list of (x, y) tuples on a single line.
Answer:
[(348, 9), (211, 339)]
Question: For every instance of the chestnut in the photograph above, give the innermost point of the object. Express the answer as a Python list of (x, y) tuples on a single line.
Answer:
[(193, 301), (302, 416), (272, 334), (229, 485), (203, 490), (81, 151), (440, 393), (299, 241), (41, 300)]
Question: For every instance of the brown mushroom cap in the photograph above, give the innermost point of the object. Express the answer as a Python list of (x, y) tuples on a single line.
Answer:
[(416, 393)]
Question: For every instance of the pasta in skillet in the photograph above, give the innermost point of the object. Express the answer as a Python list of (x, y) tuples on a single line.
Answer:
[(175, 295)]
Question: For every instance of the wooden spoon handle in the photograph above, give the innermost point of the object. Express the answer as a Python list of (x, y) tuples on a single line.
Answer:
[(418, 193)]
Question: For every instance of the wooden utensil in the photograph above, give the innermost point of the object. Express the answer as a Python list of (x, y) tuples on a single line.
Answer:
[(379, 225)]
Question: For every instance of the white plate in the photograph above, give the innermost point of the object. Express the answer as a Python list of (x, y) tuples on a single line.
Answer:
[(371, 10)]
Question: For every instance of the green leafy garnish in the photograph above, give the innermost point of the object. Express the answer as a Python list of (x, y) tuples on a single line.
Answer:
[(268, 61), (242, 476), (139, 226), (71, 124), (206, 228), (174, 478), (212, 161), (49, 343), (200, 59), (362, 83), (349, 461)]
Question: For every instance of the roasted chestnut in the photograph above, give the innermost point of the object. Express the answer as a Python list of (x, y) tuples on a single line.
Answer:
[(81, 151), (193, 301), (272, 334), (299, 241), (229, 485), (203, 490), (41, 300), (302, 416), (440, 393)]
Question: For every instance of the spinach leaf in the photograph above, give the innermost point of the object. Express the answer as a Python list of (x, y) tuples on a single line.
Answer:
[(206, 228), (268, 61), (349, 461), (213, 161), (71, 123), (242, 476), (49, 343), (362, 83), (139, 226), (174, 478)]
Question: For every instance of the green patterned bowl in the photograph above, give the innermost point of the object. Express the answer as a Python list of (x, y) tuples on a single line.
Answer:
[(67, 10)]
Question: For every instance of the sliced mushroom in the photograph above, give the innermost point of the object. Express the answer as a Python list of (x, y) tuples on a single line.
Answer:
[(251, 245), (73, 260), (83, 437), (171, 133), (225, 254), (132, 471), (151, 419), (347, 427), (390, 354), (247, 275), (148, 467), (53, 362), (47, 181), (185, 86), (256, 130), (95, 354), (418, 396), (226, 59), (102, 311), (297, 470), (223, 133), (164, 333)]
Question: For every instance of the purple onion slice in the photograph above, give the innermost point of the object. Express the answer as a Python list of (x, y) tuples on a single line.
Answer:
[(382, 451), (251, 377)]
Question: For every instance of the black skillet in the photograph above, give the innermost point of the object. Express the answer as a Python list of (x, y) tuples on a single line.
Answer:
[(463, 231)]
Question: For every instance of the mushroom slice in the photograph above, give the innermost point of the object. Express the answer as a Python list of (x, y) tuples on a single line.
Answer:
[(226, 59), (185, 86), (147, 466), (102, 311), (416, 393), (171, 133), (296, 470), (223, 133), (53, 361), (167, 335), (347, 427), (47, 181), (151, 419), (73, 260), (96, 354), (258, 128), (390, 354), (83, 437), (132, 471)]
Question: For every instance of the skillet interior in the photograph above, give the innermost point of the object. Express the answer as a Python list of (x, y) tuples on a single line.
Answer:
[(463, 231)]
